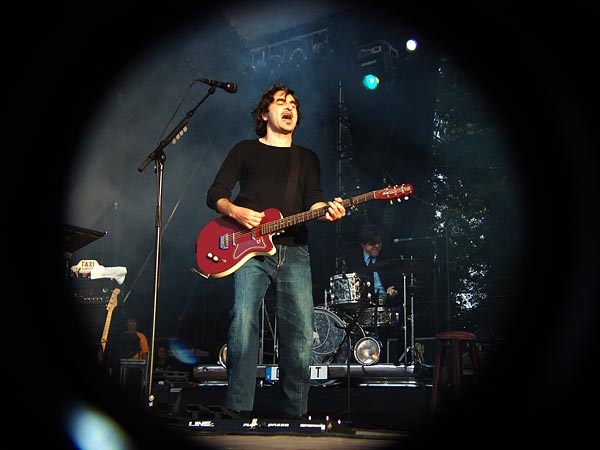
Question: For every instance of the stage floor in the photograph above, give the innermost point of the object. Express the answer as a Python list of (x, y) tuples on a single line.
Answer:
[(370, 407), (328, 441)]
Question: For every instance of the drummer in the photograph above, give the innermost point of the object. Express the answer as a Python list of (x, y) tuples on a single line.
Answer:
[(381, 286)]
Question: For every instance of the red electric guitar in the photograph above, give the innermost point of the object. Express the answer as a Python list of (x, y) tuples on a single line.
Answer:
[(224, 245)]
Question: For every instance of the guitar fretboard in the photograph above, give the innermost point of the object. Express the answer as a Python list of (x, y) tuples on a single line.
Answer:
[(305, 216), (112, 304)]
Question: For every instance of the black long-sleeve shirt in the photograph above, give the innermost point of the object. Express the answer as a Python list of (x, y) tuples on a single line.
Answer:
[(262, 172)]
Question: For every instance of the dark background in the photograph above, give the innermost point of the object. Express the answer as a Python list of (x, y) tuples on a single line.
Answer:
[(534, 67)]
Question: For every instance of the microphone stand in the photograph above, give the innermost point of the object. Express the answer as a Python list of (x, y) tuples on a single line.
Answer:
[(348, 340), (159, 157)]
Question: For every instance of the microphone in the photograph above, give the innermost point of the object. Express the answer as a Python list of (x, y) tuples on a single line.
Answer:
[(229, 87), (397, 240)]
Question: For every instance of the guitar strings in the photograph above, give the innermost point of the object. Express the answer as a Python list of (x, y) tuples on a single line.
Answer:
[(291, 220)]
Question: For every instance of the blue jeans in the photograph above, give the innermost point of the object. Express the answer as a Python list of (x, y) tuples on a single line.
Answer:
[(289, 273)]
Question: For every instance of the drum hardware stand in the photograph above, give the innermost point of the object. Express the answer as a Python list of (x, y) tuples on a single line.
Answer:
[(412, 323), (404, 355), (407, 347), (411, 350)]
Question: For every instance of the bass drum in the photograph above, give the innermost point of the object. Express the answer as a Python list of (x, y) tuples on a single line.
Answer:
[(328, 333)]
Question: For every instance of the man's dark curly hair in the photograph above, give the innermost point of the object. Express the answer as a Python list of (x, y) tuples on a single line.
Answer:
[(370, 234), (266, 98)]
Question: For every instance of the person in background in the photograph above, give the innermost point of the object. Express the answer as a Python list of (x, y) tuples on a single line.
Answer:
[(133, 344), (380, 286), (163, 361)]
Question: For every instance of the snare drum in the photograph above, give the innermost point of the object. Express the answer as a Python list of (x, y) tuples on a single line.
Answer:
[(329, 346), (380, 316), (347, 290)]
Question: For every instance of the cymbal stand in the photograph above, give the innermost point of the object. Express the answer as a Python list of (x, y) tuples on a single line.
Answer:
[(412, 321), (404, 355), (415, 355)]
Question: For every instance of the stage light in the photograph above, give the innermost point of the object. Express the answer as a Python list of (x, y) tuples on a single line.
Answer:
[(411, 45), (298, 53), (298, 58), (367, 351), (290, 55), (223, 356), (377, 64), (370, 81)]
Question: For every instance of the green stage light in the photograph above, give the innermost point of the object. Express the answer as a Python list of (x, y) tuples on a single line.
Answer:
[(370, 82)]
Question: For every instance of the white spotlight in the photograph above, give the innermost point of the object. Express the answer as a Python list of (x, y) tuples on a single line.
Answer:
[(223, 356), (367, 350)]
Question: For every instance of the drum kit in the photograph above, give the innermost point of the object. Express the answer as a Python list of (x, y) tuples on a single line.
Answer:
[(351, 321)]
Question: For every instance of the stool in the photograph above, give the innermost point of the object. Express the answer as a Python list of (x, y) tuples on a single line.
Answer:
[(450, 347)]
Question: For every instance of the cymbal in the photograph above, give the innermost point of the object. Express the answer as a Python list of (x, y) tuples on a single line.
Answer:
[(403, 265)]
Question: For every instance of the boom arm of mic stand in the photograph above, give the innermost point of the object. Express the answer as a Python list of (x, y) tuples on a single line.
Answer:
[(174, 135)]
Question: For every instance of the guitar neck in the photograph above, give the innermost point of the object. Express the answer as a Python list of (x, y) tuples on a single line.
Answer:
[(112, 304), (106, 328), (305, 216)]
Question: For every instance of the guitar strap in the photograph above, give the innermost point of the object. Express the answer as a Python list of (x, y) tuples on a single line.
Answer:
[(292, 185)]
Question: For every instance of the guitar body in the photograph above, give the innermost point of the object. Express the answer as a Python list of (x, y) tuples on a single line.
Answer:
[(223, 245)]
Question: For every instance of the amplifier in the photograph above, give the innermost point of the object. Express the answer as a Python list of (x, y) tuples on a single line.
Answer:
[(168, 376), (132, 377), (85, 291), (89, 300)]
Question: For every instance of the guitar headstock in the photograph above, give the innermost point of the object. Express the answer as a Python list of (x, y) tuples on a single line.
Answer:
[(392, 192), (112, 303)]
